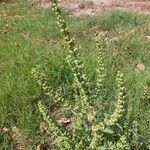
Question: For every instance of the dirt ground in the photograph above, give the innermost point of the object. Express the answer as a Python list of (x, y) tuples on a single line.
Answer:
[(95, 7)]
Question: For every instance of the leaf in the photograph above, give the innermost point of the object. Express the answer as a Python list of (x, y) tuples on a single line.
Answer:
[(108, 130), (102, 148), (119, 126)]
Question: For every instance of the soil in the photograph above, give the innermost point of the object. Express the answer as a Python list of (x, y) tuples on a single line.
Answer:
[(96, 7)]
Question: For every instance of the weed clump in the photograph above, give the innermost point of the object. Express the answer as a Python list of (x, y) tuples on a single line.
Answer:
[(89, 127)]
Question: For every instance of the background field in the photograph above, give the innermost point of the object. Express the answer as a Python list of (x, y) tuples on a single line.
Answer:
[(29, 34)]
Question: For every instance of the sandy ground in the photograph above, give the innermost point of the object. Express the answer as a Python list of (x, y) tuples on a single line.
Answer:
[(95, 7)]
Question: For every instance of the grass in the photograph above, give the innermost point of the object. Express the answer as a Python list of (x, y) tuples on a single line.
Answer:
[(29, 34)]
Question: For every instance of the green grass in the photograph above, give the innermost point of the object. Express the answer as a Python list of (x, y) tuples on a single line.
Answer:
[(29, 34)]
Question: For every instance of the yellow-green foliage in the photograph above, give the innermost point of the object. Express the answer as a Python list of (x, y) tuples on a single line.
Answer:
[(74, 56), (86, 130)]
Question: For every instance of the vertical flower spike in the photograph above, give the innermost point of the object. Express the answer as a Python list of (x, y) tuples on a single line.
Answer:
[(61, 138), (100, 70), (121, 144), (43, 79), (119, 111), (73, 58)]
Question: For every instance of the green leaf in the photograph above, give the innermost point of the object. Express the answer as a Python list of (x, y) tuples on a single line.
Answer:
[(108, 130), (102, 148)]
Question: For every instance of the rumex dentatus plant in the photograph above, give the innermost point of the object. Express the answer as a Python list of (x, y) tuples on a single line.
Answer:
[(86, 130)]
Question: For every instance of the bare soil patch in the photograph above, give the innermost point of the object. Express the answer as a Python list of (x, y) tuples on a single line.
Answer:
[(95, 7)]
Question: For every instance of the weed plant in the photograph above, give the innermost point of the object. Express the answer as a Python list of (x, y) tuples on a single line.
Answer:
[(29, 36), (85, 124)]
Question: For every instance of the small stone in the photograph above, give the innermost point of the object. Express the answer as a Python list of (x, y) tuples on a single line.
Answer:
[(140, 67), (63, 121), (42, 127), (41, 147), (148, 37), (5, 129)]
